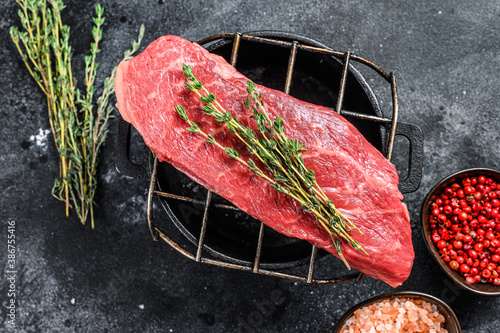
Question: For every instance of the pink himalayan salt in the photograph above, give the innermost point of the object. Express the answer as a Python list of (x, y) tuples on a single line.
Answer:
[(399, 315)]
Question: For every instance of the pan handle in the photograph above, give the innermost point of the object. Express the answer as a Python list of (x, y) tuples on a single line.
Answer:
[(122, 154), (416, 138)]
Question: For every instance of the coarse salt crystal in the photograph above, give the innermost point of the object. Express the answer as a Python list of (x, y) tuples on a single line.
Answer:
[(398, 315)]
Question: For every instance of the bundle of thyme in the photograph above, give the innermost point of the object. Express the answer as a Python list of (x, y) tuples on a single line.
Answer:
[(278, 159), (79, 121)]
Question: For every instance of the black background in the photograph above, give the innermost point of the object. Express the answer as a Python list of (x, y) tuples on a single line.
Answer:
[(117, 279)]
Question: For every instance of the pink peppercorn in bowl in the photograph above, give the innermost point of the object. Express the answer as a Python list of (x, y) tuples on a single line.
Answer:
[(422, 307), (460, 222)]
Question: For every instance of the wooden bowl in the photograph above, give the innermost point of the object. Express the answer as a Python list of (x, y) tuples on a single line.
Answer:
[(451, 321), (485, 289)]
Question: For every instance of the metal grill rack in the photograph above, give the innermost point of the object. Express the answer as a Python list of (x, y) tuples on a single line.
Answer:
[(293, 46)]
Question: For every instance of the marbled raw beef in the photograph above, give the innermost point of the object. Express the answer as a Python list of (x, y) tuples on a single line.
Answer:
[(361, 182)]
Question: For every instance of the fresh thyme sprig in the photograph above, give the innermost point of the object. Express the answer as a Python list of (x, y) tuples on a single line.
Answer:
[(280, 156), (78, 130), (98, 131)]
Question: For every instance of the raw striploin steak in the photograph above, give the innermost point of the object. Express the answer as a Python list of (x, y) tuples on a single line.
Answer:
[(355, 175)]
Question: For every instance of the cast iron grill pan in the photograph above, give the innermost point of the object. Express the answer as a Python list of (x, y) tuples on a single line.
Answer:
[(309, 71)]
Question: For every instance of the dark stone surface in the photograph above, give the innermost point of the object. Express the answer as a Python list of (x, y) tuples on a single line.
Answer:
[(116, 279)]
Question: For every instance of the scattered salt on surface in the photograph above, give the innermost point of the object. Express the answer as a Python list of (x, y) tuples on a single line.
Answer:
[(399, 315), (41, 138)]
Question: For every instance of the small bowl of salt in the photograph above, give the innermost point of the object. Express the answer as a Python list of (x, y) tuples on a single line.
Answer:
[(402, 311)]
